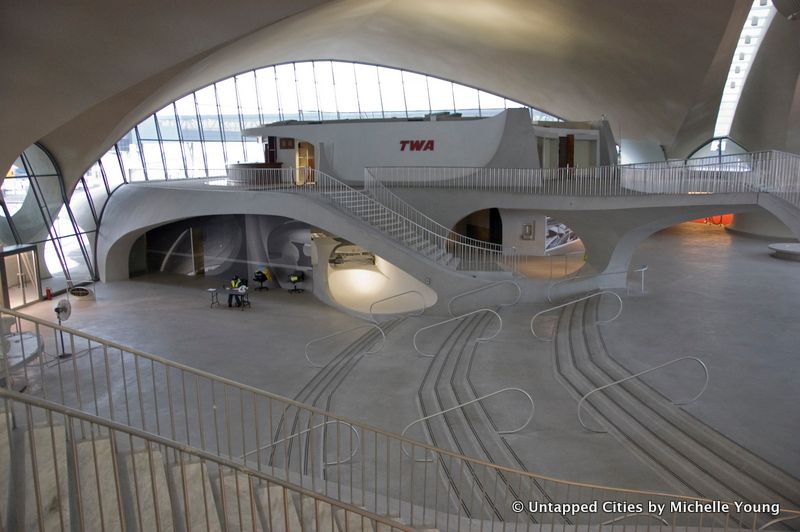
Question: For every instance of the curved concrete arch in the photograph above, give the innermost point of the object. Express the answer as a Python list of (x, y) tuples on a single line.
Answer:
[(162, 204)]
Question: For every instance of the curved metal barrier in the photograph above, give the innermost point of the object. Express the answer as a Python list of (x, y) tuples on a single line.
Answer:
[(421, 310), (639, 270), (377, 350), (309, 429), (778, 520), (429, 355), (576, 301), (490, 285), (626, 516), (695, 398), (462, 405)]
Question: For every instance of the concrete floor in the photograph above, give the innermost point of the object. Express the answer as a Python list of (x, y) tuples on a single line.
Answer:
[(709, 293)]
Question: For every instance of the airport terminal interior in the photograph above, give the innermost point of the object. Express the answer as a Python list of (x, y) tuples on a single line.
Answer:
[(377, 265)]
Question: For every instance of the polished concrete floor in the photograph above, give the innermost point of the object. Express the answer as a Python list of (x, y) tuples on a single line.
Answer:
[(709, 293)]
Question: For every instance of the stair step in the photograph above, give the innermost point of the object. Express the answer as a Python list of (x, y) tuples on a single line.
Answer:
[(317, 515), (241, 510), (145, 473), (97, 478), (201, 513), (353, 522), (282, 515), (52, 479)]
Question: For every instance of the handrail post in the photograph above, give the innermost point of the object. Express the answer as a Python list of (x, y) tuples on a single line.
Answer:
[(596, 294)]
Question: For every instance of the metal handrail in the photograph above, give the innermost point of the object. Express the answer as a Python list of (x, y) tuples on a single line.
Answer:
[(363, 325), (552, 285), (421, 310), (462, 405), (414, 340), (309, 429), (778, 520), (577, 301), (695, 398), (484, 287), (179, 448), (214, 443), (627, 516)]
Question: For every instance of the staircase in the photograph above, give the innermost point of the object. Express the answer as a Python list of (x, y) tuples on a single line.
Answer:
[(74, 471), (682, 449)]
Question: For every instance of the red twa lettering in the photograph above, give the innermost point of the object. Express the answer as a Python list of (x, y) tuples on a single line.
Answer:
[(417, 145)]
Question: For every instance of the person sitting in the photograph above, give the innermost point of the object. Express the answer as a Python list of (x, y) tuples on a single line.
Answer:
[(233, 292)]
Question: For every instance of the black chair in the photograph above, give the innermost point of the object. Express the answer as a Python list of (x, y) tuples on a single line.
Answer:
[(260, 278), (294, 278)]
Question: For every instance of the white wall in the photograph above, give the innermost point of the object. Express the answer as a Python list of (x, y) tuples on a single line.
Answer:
[(513, 220), (349, 147), (639, 151)]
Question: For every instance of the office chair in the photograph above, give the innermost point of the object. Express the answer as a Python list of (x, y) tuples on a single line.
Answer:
[(260, 278)]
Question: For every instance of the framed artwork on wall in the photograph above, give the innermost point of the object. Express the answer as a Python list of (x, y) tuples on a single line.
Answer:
[(286, 144)]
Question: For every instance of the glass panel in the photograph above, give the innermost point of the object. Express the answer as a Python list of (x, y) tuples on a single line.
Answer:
[(194, 159), (344, 78), (131, 158), (307, 91), (112, 169), (491, 104), (17, 169), (50, 193), (369, 94), (152, 157), (147, 129), (94, 180), (326, 93), (188, 118), (38, 161), (22, 278), (466, 100), (63, 225), (216, 158), (6, 236), (416, 89), (441, 95), (254, 152), (207, 104), (235, 152), (394, 104), (248, 100), (268, 93), (229, 107), (174, 158), (287, 92), (167, 124), (81, 209), (15, 190)]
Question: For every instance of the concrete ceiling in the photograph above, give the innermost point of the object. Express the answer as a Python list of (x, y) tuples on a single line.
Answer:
[(80, 75)]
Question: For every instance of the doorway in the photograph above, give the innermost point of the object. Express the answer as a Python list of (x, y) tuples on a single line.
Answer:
[(19, 276), (305, 163)]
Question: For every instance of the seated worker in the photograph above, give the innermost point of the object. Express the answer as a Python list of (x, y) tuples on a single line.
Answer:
[(236, 282)]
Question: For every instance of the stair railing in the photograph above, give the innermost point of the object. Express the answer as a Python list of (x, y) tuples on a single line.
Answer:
[(372, 351), (467, 403), (637, 375), (225, 419), (595, 294), (640, 270), (485, 287), (419, 312), (461, 317), (306, 431), (107, 507)]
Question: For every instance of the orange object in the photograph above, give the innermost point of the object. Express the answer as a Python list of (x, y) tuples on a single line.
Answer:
[(48, 294), (720, 219)]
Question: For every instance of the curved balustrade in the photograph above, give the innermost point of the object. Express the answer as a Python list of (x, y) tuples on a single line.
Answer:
[(628, 516), (429, 355), (490, 285), (462, 405), (533, 319), (309, 429), (695, 398), (778, 520), (421, 309), (372, 352), (640, 270)]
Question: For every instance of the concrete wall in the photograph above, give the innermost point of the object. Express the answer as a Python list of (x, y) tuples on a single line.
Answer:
[(513, 220), (640, 151), (760, 223)]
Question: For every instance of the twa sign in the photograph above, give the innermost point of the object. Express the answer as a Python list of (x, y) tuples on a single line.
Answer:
[(416, 145)]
